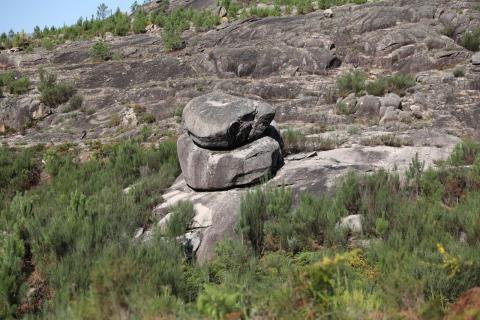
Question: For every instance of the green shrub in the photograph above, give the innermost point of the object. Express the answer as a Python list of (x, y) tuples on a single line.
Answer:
[(171, 35), (296, 141), (19, 86), (117, 56), (13, 84), (471, 40), (465, 153), (255, 11), (304, 6), (325, 4), (19, 170), (178, 113), (12, 252), (396, 83), (6, 78), (386, 140), (181, 218), (215, 303), (119, 24), (48, 44), (351, 82), (148, 118), (459, 72), (54, 94), (100, 51), (253, 216), (377, 87), (140, 22), (173, 26), (114, 121), (231, 7), (205, 20), (75, 103), (344, 108), (448, 30)]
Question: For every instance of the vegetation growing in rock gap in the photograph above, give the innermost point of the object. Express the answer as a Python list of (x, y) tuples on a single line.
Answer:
[(356, 82), (351, 82), (100, 51), (54, 93), (75, 103), (459, 72), (13, 83), (296, 141), (387, 140), (471, 40)]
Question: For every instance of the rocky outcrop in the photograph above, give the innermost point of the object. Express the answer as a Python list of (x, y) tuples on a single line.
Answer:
[(206, 169), (229, 142), (317, 174), (219, 120)]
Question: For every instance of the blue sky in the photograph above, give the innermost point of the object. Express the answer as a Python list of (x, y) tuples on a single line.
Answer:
[(26, 14)]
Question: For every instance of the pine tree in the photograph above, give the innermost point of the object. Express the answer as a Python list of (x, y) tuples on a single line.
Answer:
[(102, 11)]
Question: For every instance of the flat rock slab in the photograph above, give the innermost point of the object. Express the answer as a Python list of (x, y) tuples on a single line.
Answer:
[(221, 121), (206, 169)]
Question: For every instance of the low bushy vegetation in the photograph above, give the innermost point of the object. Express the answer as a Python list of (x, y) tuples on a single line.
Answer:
[(396, 83), (459, 72), (390, 140), (75, 103), (54, 93), (296, 141), (13, 83), (356, 82), (471, 40), (351, 82), (179, 20), (100, 51), (70, 239), (345, 108), (71, 232), (325, 4)]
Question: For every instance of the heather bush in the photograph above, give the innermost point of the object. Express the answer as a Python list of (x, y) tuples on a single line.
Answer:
[(471, 40), (396, 83), (351, 82), (100, 51), (52, 92)]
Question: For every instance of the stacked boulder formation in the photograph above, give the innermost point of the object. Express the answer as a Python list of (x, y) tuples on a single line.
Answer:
[(229, 142)]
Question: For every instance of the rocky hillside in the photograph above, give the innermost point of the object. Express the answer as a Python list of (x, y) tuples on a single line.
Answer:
[(292, 62), (314, 69)]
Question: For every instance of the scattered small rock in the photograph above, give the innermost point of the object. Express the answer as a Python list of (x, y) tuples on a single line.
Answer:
[(352, 223), (328, 13)]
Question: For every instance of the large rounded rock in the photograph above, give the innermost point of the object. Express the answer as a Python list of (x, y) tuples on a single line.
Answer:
[(221, 121), (368, 107), (205, 169)]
